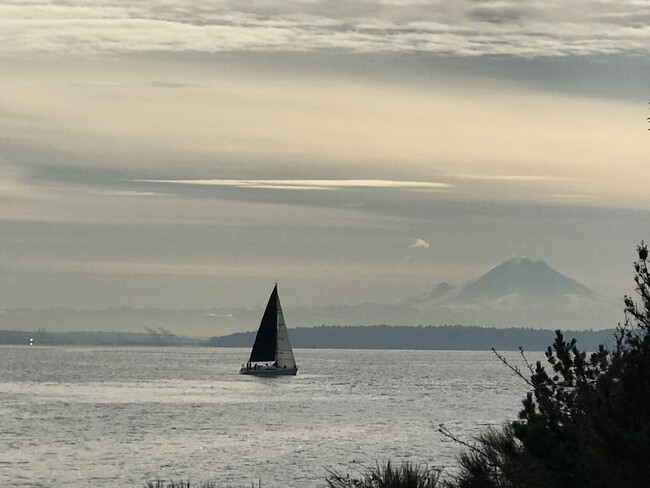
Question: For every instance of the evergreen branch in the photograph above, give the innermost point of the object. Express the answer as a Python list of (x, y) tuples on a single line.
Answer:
[(528, 365), (514, 369), (446, 433)]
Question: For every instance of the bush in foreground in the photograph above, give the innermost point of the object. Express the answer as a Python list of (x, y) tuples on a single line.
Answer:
[(179, 484), (188, 484), (406, 475)]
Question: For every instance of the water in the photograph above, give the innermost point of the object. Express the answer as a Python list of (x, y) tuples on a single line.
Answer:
[(88, 417)]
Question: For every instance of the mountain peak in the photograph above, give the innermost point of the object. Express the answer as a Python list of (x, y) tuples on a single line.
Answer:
[(526, 277), (519, 290)]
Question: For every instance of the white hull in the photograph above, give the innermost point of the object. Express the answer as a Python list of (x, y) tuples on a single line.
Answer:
[(267, 370)]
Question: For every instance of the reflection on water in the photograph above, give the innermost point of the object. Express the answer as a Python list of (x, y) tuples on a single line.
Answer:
[(88, 417)]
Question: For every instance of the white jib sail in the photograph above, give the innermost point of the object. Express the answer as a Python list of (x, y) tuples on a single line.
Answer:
[(284, 352)]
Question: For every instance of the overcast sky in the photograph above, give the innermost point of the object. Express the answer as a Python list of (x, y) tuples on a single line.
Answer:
[(189, 154)]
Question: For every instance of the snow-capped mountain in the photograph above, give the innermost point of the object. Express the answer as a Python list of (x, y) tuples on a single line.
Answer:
[(518, 291)]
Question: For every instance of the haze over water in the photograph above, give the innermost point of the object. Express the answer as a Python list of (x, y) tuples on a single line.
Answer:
[(89, 417)]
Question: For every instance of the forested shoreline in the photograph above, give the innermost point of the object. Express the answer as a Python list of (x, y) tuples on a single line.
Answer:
[(447, 337), (456, 337)]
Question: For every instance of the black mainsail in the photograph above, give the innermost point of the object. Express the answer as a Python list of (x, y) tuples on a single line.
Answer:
[(266, 341)]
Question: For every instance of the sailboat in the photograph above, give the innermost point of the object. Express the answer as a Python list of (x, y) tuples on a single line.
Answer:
[(272, 354)]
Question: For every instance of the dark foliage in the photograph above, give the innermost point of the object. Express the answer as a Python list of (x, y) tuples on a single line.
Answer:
[(178, 484), (406, 475), (586, 422), (189, 484)]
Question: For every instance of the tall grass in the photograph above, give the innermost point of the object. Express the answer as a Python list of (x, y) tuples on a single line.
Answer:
[(188, 484), (179, 484), (406, 475)]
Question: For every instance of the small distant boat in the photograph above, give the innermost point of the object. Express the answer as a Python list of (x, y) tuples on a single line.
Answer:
[(272, 354)]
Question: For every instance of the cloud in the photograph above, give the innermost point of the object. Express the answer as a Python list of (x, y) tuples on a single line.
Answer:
[(308, 184), (222, 315), (571, 196), (13, 184), (511, 178), (524, 29), (419, 244), (126, 193)]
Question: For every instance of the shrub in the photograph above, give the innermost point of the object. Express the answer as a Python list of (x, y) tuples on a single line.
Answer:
[(406, 475), (179, 484)]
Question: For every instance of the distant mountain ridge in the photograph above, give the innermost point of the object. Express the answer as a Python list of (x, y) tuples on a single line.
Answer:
[(519, 292)]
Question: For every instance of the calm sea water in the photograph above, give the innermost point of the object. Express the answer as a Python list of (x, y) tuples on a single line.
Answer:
[(118, 417)]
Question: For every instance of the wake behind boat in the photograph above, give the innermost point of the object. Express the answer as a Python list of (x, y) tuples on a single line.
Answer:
[(271, 344)]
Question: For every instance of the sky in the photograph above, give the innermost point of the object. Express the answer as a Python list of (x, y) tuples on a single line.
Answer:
[(168, 154)]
